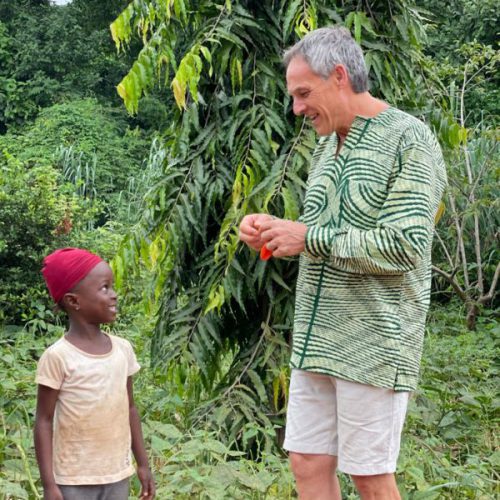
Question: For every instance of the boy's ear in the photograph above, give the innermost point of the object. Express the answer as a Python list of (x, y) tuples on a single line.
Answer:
[(70, 302)]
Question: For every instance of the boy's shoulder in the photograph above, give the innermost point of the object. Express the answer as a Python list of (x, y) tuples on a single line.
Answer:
[(120, 342), (57, 347), (123, 345)]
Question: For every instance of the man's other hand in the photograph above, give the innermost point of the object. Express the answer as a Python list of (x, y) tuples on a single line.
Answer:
[(283, 237)]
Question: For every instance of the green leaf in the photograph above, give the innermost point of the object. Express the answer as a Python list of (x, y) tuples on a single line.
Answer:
[(258, 385)]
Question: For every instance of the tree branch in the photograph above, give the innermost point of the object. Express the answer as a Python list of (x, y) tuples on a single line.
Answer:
[(453, 282), (448, 256), (460, 241), (472, 195), (485, 298)]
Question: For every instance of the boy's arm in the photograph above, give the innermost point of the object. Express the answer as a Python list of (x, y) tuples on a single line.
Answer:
[(46, 403), (138, 448)]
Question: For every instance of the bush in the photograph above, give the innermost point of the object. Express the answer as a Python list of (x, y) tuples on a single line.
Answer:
[(34, 212), (38, 213), (94, 133)]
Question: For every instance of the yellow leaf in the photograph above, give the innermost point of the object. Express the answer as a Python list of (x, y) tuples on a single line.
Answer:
[(240, 72), (462, 134), (114, 35), (179, 93), (121, 91), (440, 212), (154, 253), (216, 298)]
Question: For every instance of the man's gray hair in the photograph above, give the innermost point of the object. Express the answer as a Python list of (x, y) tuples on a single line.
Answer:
[(324, 48)]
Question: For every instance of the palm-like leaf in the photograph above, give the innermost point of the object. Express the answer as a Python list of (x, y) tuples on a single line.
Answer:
[(234, 148)]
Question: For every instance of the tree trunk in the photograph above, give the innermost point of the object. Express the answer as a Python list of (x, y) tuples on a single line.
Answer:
[(472, 313)]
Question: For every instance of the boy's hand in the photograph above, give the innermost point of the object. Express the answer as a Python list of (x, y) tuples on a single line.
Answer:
[(52, 493), (148, 488)]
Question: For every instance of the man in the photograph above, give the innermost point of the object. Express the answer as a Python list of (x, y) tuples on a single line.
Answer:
[(364, 239)]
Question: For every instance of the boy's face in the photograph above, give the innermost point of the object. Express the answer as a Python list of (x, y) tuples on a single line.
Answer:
[(97, 301)]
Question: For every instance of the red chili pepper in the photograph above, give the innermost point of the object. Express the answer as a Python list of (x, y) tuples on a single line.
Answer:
[(265, 253)]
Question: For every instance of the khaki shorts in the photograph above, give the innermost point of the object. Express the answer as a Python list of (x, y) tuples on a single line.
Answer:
[(360, 424)]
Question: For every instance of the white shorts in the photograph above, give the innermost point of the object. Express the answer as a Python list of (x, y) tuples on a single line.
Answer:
[(360, 424)]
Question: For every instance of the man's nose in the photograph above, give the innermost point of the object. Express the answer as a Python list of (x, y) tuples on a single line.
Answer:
[(298, 106)]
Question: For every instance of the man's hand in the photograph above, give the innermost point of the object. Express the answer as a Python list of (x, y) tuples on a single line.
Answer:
[(52, 492), (148, 488), (249, 230), (283, 237)]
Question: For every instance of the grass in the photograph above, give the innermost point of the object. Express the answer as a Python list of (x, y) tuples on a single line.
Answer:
[(449, 450)]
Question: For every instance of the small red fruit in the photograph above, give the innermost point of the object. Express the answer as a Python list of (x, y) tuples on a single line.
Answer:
[(265, 253)]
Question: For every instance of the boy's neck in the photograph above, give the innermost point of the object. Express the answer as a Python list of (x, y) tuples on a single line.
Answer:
[(88, 338), (83, 330)]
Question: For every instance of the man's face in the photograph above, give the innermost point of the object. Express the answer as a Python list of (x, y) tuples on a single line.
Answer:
[(313, 97)]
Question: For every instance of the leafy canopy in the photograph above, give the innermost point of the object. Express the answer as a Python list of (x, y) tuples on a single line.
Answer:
[(233, 147)]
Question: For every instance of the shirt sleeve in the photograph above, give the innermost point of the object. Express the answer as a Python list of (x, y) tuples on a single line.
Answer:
[(133, 365), (50, 370), (405, 223)]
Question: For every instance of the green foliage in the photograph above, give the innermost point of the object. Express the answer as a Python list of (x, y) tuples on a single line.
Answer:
[(472, 194), (470, 84), (153, 113), (18, 351), (82, 136), (448, 450), (234, 148), (199, 465), (451, 448), (48, 53), (463, 44), (34, 213), (467, 257), (66, 181), (62, 178), (460, 21)]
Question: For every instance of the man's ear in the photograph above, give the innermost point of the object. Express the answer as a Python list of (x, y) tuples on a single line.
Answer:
[(70, 302), (340, 75)]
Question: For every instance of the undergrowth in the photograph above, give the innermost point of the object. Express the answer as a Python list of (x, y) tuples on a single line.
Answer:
[(449, 449)]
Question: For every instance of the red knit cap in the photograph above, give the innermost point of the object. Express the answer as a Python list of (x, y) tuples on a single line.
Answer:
[(65, 267)]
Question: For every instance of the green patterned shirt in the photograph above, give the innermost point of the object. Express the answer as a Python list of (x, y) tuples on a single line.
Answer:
[(364, 280)]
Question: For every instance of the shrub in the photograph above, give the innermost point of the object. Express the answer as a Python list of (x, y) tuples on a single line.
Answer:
[(36, 213)]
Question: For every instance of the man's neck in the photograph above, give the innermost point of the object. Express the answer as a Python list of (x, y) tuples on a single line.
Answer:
[(364, 105)]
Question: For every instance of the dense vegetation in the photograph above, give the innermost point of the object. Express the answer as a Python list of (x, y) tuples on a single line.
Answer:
[(210, 137)]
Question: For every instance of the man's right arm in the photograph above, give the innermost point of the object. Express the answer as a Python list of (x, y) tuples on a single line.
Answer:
[(46, 403)]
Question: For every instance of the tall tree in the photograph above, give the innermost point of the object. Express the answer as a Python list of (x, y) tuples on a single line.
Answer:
[(234, 148), (52, 53)]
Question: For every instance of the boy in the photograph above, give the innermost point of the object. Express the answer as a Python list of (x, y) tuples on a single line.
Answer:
[(86, 421)]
